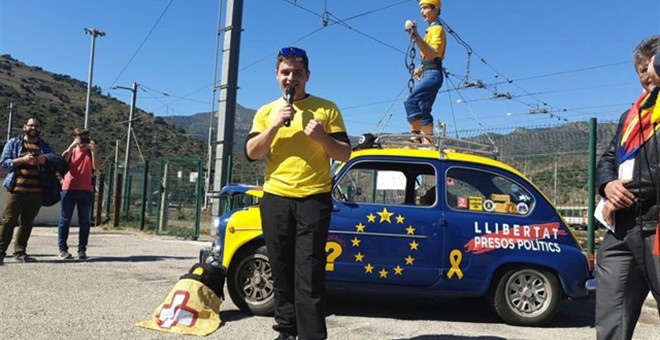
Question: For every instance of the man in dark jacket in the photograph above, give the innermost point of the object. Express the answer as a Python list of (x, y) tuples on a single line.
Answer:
[(628, 180), (23, 156)]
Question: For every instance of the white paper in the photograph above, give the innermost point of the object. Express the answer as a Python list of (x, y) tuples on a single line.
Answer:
[(598, 214), (626, 169)]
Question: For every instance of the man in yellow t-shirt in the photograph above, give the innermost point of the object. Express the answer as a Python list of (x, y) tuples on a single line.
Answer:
[(419, 103), (298, 134)]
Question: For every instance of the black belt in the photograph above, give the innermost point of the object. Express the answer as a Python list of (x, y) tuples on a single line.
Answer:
[(432, 64)]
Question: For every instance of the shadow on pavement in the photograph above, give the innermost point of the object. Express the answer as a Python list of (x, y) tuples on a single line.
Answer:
[(454, 337), (571, 313), (137, 258), (233, 315)]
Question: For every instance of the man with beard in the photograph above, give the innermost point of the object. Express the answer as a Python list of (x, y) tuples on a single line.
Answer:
[(23, 156)]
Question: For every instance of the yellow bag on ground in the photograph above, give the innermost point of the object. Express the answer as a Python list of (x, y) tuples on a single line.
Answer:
[(190, 308)]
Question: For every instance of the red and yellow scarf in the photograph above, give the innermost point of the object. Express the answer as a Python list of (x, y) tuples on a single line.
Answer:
[(632, 136), (636, 134)]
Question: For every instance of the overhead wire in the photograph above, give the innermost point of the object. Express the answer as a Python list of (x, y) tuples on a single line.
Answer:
[(481, 127), (142, 44)]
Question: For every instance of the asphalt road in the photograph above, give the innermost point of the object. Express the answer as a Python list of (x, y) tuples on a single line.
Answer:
[(129, 274)]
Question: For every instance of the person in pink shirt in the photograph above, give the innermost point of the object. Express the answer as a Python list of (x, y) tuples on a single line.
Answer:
[(77, 191)]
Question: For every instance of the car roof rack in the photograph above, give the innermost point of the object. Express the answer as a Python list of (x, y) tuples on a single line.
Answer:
[(440, 143)]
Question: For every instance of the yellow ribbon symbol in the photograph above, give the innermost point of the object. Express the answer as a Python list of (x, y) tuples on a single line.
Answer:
[(455, 258)]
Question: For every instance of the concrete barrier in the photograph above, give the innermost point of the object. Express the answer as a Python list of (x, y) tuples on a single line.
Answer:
[(48, 216)]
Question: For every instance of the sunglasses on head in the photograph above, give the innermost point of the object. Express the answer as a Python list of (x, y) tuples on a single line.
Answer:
[(298, 52)]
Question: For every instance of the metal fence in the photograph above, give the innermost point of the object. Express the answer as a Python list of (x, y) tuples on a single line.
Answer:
[(165, 198), (555, 158)]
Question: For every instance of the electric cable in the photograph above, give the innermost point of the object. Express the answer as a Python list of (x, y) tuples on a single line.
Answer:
[(142, 44)]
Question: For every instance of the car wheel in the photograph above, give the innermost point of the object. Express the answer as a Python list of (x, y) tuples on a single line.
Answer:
[(526, 296), (250, 282)]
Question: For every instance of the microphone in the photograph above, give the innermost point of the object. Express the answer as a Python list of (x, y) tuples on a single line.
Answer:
[(290, 93)]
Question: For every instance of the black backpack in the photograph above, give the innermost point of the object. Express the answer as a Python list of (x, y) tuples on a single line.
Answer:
[(212, 277)]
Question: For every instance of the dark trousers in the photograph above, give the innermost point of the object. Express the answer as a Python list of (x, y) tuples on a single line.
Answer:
[(83, 201), (26, 207), (622, 285), (296, 231)]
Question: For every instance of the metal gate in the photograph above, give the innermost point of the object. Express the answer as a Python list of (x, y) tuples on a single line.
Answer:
[(179, 197)]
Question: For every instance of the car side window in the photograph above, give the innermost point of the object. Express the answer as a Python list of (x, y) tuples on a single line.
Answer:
[(387, 183), (482, 191)]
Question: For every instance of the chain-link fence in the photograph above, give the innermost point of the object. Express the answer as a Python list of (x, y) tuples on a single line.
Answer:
[(555, 158), (165, 198)]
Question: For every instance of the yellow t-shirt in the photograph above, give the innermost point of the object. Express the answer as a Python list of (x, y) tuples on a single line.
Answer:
[(296, 165), (435, 36)]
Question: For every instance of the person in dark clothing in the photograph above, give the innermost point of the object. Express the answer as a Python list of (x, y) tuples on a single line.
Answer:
[(628, 181), (23, 156)]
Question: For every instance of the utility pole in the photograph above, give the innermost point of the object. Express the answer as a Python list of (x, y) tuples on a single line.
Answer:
[(554, 187), (10, 124), (94, 33), (228, 92), (209, 157), (127, 159)]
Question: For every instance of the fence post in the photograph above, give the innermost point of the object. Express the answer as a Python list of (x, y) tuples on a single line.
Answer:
[(99, 200), (592, 187), (198, 200), (164, 201), (144, 201), (117, 213), (108, 196)]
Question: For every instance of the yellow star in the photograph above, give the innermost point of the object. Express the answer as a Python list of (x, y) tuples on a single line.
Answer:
[(385, 215), (398, 270), (358, 257), (383, 273), (413, 245), (360, 227), (410, 230), (410, 260), (399, 219), (356, 242), (371, 218), (369, 268)]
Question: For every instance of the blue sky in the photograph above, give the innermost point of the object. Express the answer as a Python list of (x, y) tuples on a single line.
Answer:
[(571, 57)]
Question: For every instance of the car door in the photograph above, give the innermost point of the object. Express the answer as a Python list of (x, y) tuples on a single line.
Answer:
[(386, 225), (490, 218)]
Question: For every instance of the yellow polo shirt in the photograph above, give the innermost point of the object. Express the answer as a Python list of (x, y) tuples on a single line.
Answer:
[(435, 36), (296, 165)]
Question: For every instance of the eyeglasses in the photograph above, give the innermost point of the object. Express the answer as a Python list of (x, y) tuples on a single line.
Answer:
[(287, 51)]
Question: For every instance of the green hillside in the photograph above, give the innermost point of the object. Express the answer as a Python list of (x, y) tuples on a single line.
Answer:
[(59, 101), (555, 157)]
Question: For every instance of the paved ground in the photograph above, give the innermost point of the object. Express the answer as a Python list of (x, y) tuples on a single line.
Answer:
[(129, 274)]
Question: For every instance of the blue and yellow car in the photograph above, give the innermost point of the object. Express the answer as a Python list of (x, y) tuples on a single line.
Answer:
[(421, 221)]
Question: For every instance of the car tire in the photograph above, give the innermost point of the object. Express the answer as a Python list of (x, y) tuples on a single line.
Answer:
[(526, 296), (250, 282)]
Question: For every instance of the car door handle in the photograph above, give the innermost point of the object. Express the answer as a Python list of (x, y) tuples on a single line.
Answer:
[(335, 208)]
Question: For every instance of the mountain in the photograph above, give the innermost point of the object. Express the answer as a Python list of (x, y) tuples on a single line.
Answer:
[(555, 157), (197, 125), (59, 101)]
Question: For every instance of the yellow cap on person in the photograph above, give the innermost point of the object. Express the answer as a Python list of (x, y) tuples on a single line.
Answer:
[(436, 3)]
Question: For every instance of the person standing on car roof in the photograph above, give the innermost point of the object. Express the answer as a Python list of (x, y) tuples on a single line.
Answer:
[(298, 134), (628, 178), (420, 101)]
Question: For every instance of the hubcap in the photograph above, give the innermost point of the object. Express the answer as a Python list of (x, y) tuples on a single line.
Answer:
[(255, 279), (528, 293)]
